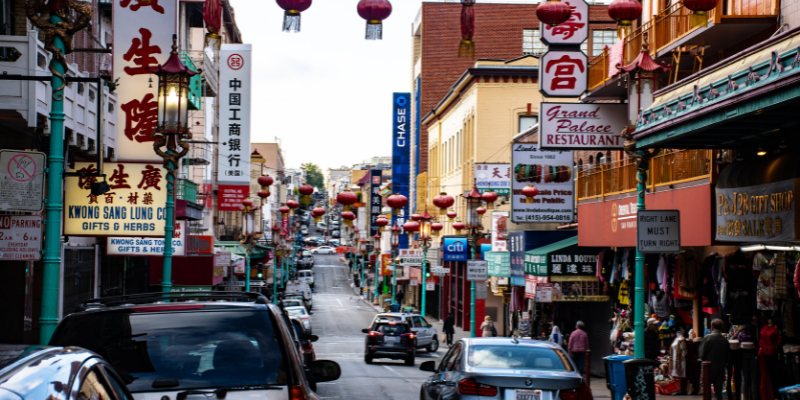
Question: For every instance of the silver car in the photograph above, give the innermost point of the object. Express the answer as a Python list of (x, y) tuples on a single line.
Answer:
[(504, 368), (427, 337), (63, 373)]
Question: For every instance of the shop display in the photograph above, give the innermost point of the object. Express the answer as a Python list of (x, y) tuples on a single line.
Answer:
[(538, 173)]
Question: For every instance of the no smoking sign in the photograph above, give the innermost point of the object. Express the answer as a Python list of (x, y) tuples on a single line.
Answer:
[(21, 180)]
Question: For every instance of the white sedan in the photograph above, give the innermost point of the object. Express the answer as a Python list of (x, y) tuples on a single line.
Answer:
[(302, 314), (324, 250)]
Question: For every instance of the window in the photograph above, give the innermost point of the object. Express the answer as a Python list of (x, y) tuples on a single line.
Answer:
[(93, 387), (7, 17), (527, 121), (531, 43), (601, 39), (80, 88), (518, 357)]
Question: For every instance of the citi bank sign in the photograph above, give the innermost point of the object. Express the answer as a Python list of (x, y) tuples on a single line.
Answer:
[(455, 249)]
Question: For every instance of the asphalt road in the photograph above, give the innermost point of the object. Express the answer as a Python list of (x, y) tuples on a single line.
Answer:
[(339, 315)]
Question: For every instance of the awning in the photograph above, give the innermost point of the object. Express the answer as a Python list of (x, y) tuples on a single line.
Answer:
[(749, 100), (536, 259)]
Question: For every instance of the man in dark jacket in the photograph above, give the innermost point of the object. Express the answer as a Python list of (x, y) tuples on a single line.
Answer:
[(652, 344), (449, 329), (715, 348)]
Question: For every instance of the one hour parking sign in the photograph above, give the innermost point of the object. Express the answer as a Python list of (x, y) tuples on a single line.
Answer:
[(658, 231)]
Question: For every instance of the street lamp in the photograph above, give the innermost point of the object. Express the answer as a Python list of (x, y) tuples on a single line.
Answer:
[(425, 239), (473, 224), (395, 242), (376, 246), (171, 132), (246, 239), (362, 253)]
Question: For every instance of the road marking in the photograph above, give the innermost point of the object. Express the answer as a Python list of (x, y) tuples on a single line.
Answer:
[(393, 371), (340, 303)]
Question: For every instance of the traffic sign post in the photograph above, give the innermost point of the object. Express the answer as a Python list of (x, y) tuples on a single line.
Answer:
[(477, 270), (658, 231), (21, 180), (440, 271)]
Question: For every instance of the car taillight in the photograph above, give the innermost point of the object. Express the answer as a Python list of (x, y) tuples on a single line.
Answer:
[(168, 308), (583, 392), (296, 392), (307, 346), (470, 386), (373, 333), (408, 335)]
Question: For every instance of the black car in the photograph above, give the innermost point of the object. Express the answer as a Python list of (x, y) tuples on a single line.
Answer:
[(390, 339), (206, 343)]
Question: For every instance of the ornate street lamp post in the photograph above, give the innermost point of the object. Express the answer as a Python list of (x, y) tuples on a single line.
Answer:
[(246, 239), (395, 242), (376, 247), (361, 255), (473, 224), (171, 132), (425, 240), (275, 246)]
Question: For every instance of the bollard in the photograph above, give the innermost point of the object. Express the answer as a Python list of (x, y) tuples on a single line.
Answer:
[(588, 364), (705, 373)]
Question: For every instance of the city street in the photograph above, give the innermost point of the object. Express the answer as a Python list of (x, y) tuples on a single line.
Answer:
[(339, 316)]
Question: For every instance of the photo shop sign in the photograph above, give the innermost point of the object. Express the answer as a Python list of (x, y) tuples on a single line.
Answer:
[(551, 172), (575, 126)]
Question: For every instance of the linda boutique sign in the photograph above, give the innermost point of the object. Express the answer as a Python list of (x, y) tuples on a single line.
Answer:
[(759, 213)]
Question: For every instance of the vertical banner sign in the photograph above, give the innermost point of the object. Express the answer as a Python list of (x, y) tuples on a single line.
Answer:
[(495, 177), (499, 231), (142, 39), (401, 156), (234, 118), (550, 171), (576, 126), (516, 244), (375, 200)]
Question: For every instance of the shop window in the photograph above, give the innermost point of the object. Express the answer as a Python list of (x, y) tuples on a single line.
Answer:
[(531, 43), (527, 122), (601, 39)]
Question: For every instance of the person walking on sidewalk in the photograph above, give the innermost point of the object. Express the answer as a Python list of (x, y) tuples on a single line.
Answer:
[(578, 344), (715, 348), (449, 329), (488, 327), (652, 344)]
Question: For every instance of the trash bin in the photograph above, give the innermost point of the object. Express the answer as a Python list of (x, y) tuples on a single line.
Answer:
[(640, 378), (615, 375), (395, 307)]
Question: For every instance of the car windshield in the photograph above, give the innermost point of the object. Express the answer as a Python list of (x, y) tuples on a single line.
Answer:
[(296, 311), (389, 329), (306, 254), (292, 303), (199, 350), (518, 357), (390, 317)]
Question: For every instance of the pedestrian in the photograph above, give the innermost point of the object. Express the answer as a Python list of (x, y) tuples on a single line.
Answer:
[(750, 369), (769, 347), (449, 329), (399, 298), (715, 348), (652, 344), (577, 346), (488, 327)]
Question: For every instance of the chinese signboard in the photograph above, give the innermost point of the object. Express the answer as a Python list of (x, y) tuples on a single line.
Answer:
[(21, 180), (143, 32), (572, 263), (140, 246), (401, 155), (499, 231), (563, 73), (760, 213), (455, 249), (551, 172), (135, 205), (496, 177), (229, 197), (477, 270), (658, 231), (574, 31), (577, 126), (544, 293), (234, 114), (20, 238), (499, 263), (375, 201)]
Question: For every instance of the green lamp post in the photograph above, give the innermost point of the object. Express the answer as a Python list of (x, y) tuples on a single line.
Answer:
[(473, 223), (395, 241), (425, 240)]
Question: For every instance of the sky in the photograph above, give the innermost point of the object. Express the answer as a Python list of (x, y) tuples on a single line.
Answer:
[(326, 92)]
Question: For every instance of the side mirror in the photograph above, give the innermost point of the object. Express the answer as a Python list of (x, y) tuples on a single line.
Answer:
[(429, 366), (325, 371), (313, 338), (365, 330)]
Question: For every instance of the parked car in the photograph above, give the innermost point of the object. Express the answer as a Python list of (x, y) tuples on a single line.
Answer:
[(53, 372), (170, 350), (305, 344), (305, 260), (335, 233), (304, 231), (427, 337), (292, 303), (390, 339), (321, 226), (506, 369), (306, 276), (324, 250), (300, 313), (301, 288)]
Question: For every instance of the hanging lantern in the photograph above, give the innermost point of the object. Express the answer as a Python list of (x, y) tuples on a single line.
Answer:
[(381, 222), (436, 227), (374, 11), (410, 228), (624, 12), (416, 217), (305, 190), (263, 194), (317, 213), (247, 203), (458, 226), (466, 48), (480, 210), (291, 16), (529, 192), (284, 210), (700, 9), (553, 12), (293, 204), (212, 15), (346, 198), (443, 201), (241, 207), (452, 215), (348, 217), (396, 202), (265, 181), (489, 197)]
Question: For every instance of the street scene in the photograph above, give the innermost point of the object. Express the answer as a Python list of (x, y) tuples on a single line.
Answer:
[(400, 199)]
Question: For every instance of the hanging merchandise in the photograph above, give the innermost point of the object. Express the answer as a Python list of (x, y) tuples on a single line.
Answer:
[(709, 298), (738, 278), (466, 48), (374, 11), (291, 16), (764, 265), (781, 291)]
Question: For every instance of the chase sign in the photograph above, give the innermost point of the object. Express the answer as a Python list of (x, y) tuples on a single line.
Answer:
[(455, 249)]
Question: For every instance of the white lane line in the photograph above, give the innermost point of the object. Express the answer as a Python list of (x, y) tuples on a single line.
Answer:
[(340, 303), (393, 371)]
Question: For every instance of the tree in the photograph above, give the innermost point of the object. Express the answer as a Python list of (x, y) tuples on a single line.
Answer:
[(314, 176)]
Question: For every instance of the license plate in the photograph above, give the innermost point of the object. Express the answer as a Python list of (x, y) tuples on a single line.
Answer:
[(391, 339), (529, 394)]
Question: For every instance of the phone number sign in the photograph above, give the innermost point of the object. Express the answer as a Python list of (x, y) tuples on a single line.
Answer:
[(20, 238)]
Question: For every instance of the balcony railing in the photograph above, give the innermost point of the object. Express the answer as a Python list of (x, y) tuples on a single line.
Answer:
[(186, 190), (667, 168)]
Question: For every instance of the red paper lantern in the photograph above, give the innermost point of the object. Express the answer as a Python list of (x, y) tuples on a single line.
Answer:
[(293, 204), (284, 210), (317, 213), (247, 202), (265, 180), (529, 192), (291, 17), (699, 10), (348, 218), (381, 221), (466, 48), (451, 215), (374, 11), (410, 228), (397, 201), (458, 226), (624, 12), (443, 201), (436, 227), (553, 12), (240, 207), (263, 193), (346, 199), (305, 191), (489, 197), (416, 217), (480, 210)]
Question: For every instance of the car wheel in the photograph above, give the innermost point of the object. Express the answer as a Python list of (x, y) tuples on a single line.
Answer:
[(433, 346), (368, 359), (410, 361)]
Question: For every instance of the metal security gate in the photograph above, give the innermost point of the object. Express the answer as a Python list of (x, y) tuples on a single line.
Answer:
[(78, 277), (124, 275)]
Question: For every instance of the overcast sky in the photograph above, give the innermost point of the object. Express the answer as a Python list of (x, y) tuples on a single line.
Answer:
[(326, 92)]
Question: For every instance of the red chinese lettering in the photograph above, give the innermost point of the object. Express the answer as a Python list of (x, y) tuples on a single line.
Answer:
[(141, 118), (119, 179), (143, 51), (143, 3), (148, 198), (496, 173), (151, 177), (564, 74), (86, 182), (568, 29)]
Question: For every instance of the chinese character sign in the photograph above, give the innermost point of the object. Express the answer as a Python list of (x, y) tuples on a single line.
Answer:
[(143, 32), (575, 31), (495, 177), (135, 205), (234, 114), (563, 73), (374, 200)]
